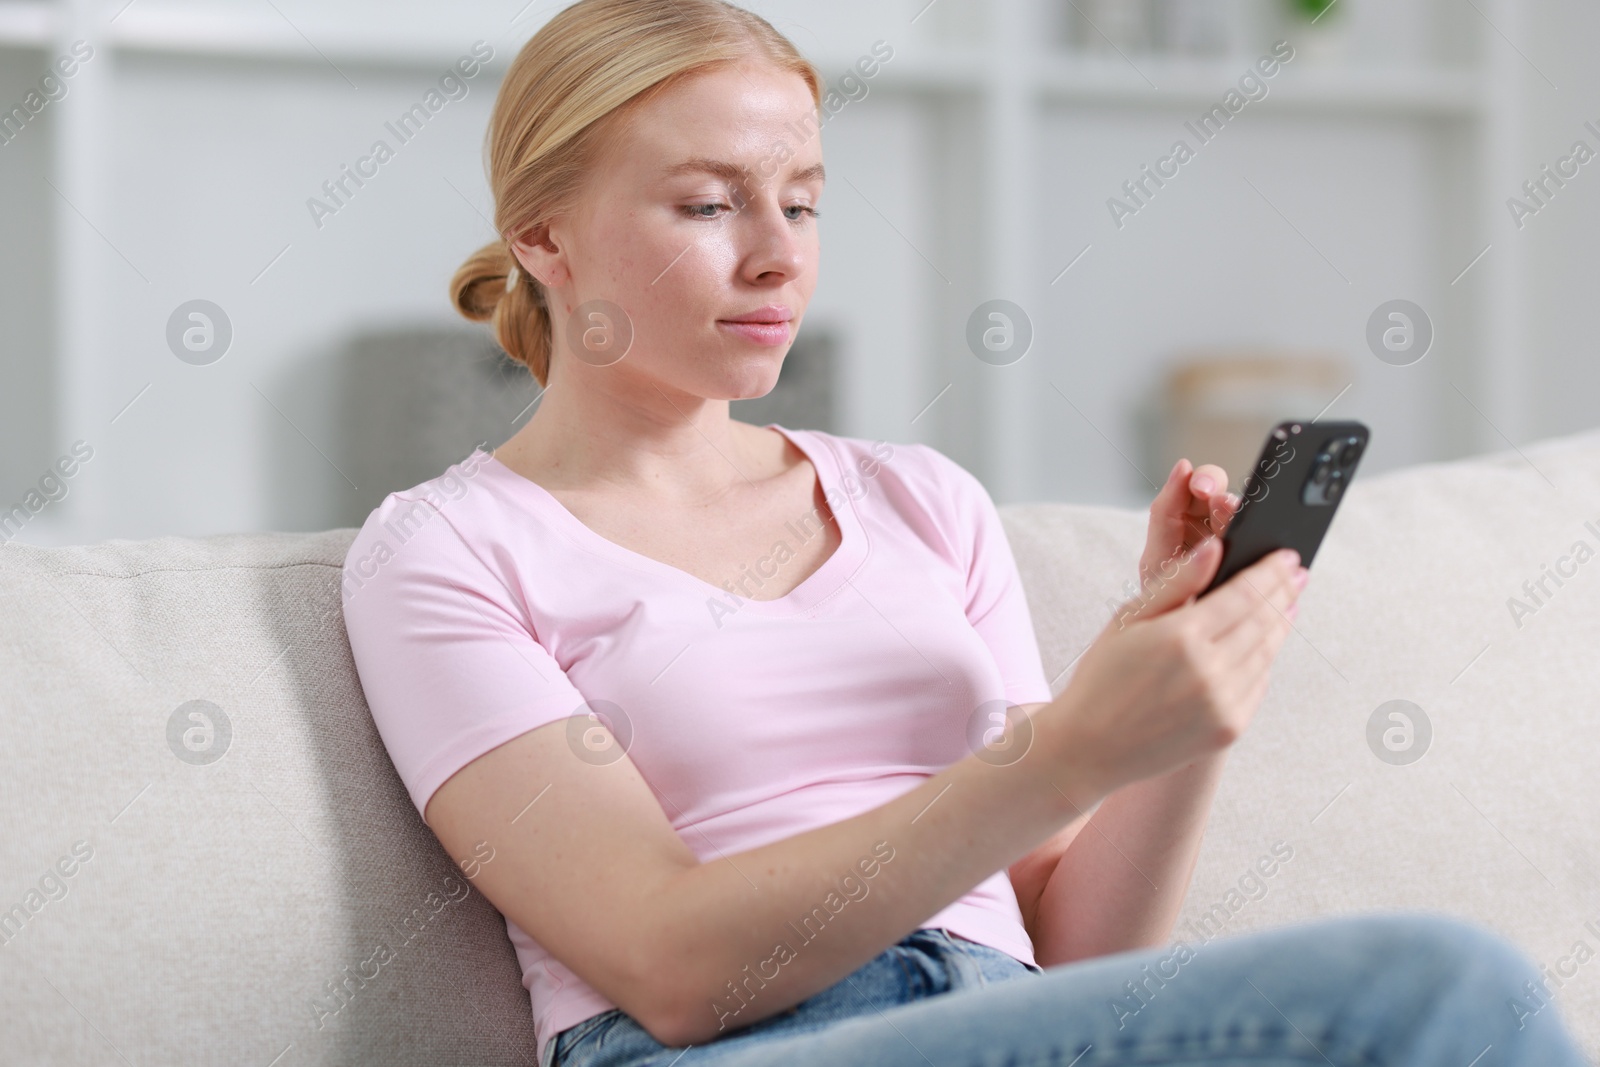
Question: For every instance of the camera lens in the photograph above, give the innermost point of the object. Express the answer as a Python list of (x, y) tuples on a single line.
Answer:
[(1319, 473), (1351, 452)]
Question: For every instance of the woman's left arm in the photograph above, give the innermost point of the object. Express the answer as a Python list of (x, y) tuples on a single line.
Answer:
[(1117, 881), (1121, 881)]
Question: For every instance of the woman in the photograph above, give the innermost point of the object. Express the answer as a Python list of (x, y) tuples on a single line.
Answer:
[(744, 729)]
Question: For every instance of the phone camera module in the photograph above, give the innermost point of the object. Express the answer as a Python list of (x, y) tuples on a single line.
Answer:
[(1330, 470)]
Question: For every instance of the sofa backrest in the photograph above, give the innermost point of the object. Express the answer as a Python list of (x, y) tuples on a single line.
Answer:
[(236, 874), (209, 856)]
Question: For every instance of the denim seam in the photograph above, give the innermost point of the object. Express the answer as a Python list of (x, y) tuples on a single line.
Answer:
[(1155, 1054), (977, 966), (910, 988)]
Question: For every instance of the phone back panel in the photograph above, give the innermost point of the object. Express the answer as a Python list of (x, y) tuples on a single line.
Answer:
[(1286, 497)]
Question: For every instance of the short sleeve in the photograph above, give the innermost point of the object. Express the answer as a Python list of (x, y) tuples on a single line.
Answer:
[(450, 666), (997, 604)]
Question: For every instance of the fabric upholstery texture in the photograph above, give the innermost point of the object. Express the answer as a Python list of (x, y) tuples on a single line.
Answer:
[(285, 901)]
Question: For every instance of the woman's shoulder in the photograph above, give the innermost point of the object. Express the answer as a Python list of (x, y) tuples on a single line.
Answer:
[(913, 488), (442, 518), (914, 467)]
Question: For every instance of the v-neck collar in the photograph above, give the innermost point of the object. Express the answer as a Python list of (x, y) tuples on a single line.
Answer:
[(820, 585)]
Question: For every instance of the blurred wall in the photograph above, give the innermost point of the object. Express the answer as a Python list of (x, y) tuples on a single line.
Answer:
[(1562, 250)]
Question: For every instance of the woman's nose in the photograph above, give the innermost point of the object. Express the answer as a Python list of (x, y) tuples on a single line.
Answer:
[(774, 241)]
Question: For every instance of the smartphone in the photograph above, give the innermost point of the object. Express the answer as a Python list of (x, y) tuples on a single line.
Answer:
[(1291, 494)]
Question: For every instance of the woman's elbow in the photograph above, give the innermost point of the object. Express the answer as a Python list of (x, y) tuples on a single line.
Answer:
[(655, 999), (671, 1021), (679, 1007), (682, 1025)]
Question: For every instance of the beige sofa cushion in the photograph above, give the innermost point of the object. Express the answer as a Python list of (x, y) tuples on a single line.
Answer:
[(222, 901)]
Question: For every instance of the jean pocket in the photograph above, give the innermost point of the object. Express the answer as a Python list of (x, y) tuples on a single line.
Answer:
[(568, 1040)]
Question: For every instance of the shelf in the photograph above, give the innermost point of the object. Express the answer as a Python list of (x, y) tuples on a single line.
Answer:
[(1142, 81), (270, 37), (923, 68), (275, 40), (1160, 82), (33, 23), (1190, 83)]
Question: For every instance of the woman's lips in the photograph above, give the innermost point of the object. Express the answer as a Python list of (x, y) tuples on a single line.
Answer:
[(761, 333)]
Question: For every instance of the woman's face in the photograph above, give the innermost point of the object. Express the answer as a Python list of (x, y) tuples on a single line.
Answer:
[(701, 214)]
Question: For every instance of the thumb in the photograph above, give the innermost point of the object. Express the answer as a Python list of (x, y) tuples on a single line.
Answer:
[(1171, 584)]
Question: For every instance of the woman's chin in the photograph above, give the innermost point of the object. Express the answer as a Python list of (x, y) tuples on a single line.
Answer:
[(749, 391), (749, 377)]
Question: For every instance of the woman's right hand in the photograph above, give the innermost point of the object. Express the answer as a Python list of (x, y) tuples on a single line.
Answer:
[(1172, 679)]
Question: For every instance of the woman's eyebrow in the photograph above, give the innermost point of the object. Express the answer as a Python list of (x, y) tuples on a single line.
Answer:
[(732, 172), (735, 172)]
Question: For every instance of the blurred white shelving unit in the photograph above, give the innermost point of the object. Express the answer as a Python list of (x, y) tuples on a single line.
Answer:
[(1458, 89), (1403, 92), (994, 74)]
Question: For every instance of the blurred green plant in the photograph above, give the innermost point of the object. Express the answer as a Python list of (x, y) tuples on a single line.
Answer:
[(1311, 9)]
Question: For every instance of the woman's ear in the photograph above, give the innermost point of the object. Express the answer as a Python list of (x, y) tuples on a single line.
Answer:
[(536, 250)]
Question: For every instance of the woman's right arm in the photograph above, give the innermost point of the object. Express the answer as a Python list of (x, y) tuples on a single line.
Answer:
[(586, 862)]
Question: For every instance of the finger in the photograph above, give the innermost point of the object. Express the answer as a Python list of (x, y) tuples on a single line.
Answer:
[(1242, 594), (1227, 506), (1251, 672), (1212, 519), (1207, 481), (1257, 667), (1168, 514), (1277, 591), (1177, 580), (1265, 627), (1274, 588), (1208, 497)]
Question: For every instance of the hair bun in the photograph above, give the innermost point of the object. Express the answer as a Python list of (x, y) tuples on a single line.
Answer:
[(490, 287)]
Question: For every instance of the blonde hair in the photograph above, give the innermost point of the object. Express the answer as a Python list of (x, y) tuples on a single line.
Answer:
[(562, 105)]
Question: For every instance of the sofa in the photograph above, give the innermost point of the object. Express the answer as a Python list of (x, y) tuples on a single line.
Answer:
[(208, 857)]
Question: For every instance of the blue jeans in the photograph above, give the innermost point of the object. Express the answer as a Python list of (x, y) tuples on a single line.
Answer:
[(1406, 989)]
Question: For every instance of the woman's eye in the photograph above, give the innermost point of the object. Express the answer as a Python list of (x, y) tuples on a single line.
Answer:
[(712, 210)]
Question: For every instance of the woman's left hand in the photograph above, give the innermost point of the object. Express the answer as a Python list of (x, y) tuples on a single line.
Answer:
[(1193, 506)]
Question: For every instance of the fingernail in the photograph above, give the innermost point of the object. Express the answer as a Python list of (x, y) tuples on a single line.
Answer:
[(1204, 484), (1301, 576)]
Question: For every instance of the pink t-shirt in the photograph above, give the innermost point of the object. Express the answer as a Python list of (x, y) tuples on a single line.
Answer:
[(478, 608)]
